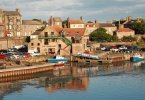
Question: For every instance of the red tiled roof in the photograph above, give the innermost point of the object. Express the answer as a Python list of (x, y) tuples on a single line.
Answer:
[(76, 21), (57, 28), (74, 32), (125, 30)]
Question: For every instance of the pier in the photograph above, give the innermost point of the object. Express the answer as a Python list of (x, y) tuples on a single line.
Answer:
[(107, 57), (28, 69)]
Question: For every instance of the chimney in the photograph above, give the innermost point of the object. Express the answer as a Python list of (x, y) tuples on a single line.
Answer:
[(51, 21), (18, 10)]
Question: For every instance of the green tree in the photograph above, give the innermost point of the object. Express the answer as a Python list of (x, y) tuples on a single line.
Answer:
[(128, 39), (139, 27), (101, 35), (64, 23)]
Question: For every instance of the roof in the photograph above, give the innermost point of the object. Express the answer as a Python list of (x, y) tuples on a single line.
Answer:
[(31, 22), (91, 24), (57, 28), (57, 19), (36, 33), (125, 30), (12, 13), (106, 25), (76, 21), (74, 31)]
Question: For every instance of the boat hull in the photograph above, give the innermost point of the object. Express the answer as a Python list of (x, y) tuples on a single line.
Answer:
[(137, 58), (57, 60)]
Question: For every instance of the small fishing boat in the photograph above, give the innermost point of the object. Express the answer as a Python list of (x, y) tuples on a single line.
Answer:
[(58, 59), (137, 57)]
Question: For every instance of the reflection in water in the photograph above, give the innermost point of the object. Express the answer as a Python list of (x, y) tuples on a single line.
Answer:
[(73, 76)]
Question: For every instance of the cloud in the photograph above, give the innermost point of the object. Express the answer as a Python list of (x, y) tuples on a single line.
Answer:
[(90, 9)]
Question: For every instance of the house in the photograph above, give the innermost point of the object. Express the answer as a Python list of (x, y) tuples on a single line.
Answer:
[(12, 21), (55, 21), (50, 42), (77, 38), (90, 27), (110, 28), (75, 23), (120, 33), (30, 26), (2, 30)]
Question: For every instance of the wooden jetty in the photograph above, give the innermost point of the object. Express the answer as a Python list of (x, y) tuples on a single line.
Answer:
[(28, 69), (110, 57)]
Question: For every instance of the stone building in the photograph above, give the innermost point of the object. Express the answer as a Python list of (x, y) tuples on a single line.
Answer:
[(30, 26), (110, 28), (12, 21), (120, 33), (55, 21)]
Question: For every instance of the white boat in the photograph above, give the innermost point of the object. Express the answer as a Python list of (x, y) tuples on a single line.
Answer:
[(91, 56), (137, 57), (58, 59)]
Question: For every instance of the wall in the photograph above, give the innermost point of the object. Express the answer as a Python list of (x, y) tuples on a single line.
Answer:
[(122, 34)]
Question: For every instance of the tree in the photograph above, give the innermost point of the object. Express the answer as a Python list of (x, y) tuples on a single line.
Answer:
[(139, 27), (100, 35), (128, 39), (64, 23)]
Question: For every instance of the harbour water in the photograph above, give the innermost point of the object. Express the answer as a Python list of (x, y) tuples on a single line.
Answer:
[(121, 81)]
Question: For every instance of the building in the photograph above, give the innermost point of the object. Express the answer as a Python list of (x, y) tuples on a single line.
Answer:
[(55, 21), (75, 23), (30, 26), (55, 39), (50, 42), (90, 27), (12, 21), (120, 33), (110, 28)]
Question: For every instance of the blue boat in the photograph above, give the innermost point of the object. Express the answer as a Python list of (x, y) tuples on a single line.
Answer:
[(58, 59), (137, 58)]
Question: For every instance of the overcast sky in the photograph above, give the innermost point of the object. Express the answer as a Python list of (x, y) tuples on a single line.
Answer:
[(102, 10)]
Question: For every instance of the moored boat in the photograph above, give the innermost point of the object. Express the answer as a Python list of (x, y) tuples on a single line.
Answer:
[(57, 59), (137, 57)]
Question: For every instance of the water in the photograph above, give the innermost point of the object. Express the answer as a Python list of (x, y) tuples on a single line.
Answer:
[(121, 81)]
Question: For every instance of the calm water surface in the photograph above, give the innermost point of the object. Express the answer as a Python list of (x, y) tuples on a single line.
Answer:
[(122, 81)]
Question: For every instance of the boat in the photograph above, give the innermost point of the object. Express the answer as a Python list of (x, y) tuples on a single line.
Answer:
[(137, 57), (58, 59)]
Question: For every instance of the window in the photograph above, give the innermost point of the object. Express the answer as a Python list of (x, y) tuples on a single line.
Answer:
[(46, 34), (38, 44), (46, 42), (32, 44), (52, 33), (51, 50), (53, 40)]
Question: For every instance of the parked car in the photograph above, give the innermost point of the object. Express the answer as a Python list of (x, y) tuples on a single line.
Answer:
[(2, 56), (106, 48), (132, 48), (114, 48), (3, 51)]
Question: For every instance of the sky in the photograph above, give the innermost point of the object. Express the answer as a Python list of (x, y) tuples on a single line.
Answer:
[(91, 10)]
